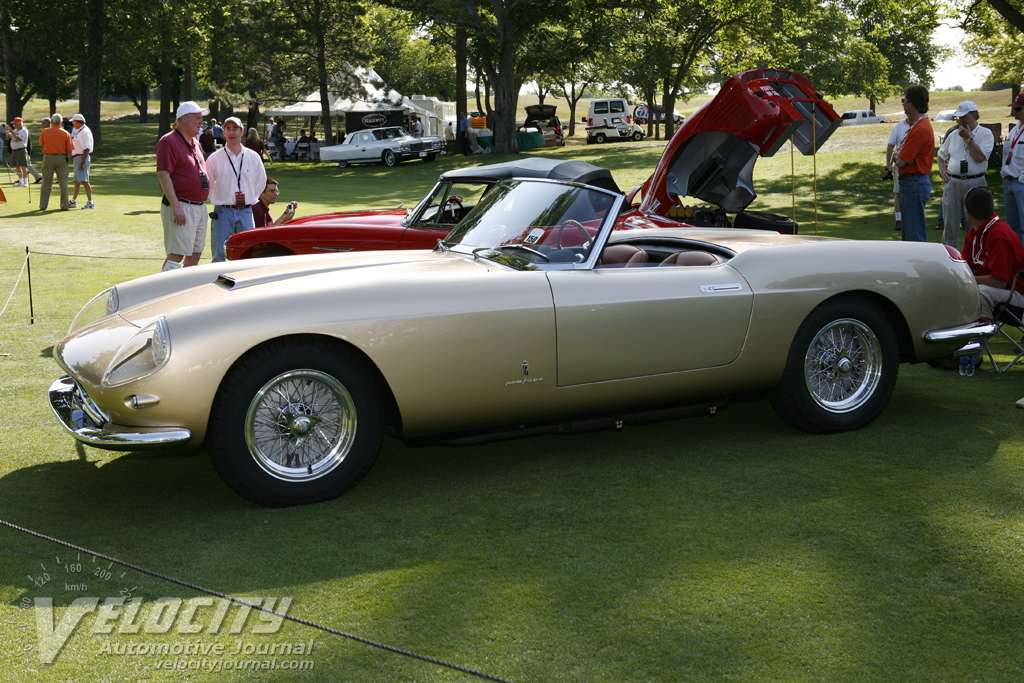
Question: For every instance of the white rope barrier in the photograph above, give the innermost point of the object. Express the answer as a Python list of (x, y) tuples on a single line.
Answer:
[(16, 283)]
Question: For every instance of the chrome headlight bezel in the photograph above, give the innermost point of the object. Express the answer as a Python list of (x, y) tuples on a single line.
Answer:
[(100, 306), (144, 353)]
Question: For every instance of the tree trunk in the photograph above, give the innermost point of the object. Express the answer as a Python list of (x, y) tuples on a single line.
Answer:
[(144, 103), (176, 88), (166, 115), (669, 105), (460, 69), (90, 70), (506, 98), (322, 75), (325, 105), (479, 104), (10, 78), (187, 71)]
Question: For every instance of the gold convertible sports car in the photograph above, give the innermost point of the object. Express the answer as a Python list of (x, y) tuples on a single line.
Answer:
[(534, 315)]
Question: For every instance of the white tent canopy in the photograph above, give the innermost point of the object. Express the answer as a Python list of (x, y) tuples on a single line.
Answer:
[(377, 97), (308, 107)]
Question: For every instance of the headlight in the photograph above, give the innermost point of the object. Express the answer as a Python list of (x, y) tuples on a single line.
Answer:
[(144, 353), (404, 147), (100, 306)]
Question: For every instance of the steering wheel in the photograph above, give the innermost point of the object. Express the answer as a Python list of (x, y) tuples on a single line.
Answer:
[(450, 208), (578, 226)]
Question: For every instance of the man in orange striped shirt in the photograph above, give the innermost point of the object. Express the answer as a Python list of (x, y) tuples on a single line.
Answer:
[(57, 147), (915, 163)]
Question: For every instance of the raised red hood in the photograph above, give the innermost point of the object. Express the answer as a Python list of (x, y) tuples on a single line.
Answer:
[(712, 155)]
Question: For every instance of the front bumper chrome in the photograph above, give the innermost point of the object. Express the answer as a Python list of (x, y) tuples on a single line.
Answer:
[(87, 423), (972, 332)]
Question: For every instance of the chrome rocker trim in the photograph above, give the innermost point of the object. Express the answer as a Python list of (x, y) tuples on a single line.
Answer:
[(87, 423)]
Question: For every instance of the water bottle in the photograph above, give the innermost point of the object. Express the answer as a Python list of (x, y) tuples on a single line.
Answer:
[(967, 365)]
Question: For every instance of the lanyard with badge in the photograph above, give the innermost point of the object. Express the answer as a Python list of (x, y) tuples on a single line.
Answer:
[(1013, 145), (240, 202), (977, 252)]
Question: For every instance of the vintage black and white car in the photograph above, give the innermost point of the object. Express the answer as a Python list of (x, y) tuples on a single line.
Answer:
[(386, 146)]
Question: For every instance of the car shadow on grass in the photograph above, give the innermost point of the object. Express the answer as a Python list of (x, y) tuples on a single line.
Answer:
[(702, 535)]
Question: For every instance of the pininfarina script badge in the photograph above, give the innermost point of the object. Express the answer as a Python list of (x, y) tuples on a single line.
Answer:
[(525, 378)]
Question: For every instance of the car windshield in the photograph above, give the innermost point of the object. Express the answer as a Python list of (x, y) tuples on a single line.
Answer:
[(531, 223), (390, 133), (446, 204)]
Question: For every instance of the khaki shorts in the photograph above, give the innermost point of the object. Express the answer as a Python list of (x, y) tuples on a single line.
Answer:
[(184, 239)]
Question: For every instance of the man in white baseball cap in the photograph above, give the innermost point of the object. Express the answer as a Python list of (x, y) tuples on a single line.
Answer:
[(81, 159), (237, 178), (963, 161), (181, 172)]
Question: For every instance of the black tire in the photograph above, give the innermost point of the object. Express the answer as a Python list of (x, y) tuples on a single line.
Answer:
[(841, 368), (599, 138), (389, 158), (430, 157), (342, 164), (637, 137), (277, 397)]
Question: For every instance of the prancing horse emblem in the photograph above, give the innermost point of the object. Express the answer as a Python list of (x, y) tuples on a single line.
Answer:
[(526, 369)]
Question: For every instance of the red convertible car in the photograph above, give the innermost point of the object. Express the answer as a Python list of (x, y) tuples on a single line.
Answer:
[(455, 193), (711, 158)]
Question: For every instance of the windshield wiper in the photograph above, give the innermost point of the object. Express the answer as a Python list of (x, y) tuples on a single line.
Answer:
[(441, 246)]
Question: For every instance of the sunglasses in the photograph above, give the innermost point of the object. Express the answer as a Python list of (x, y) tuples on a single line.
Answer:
[(1017, 108)]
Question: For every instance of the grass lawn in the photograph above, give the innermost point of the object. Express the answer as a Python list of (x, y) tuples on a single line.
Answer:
[(731, 548)]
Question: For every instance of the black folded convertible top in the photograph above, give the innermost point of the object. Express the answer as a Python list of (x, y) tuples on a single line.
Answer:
[(537, 167)]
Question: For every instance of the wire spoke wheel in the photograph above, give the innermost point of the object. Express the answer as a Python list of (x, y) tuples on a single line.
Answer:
[(300, 425), (843, 365), (841, 368)]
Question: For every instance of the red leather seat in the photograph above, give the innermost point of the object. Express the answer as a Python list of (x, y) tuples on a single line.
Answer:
[(622, 256), (691, 258)]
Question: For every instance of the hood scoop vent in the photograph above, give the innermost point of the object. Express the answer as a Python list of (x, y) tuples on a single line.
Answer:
[(262, 276)]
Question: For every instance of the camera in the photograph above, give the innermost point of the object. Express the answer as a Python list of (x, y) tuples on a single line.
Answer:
[(291, 206), (887, 174)]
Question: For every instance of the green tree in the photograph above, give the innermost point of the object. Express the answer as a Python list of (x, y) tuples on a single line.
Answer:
[(857, 67), (995, 42), (330, 38), (573, 54), (410, 56)]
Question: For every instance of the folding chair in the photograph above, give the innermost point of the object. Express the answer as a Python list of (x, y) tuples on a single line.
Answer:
[(1007, 316), (302, 151), (273, 153)]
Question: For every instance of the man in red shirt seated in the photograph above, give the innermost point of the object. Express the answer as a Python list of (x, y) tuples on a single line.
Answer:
[(261, 209), (993, 252)]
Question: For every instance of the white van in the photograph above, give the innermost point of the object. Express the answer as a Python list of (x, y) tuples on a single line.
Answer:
[(609, 119)]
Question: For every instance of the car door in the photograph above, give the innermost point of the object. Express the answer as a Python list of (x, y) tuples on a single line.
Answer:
[(614, 324), (369, 146)]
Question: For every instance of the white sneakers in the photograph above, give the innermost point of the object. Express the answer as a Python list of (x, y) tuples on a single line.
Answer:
[(72, 203), (89, 205)]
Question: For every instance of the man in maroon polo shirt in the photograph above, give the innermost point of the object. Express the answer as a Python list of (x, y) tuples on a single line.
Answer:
[(181, 171)]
